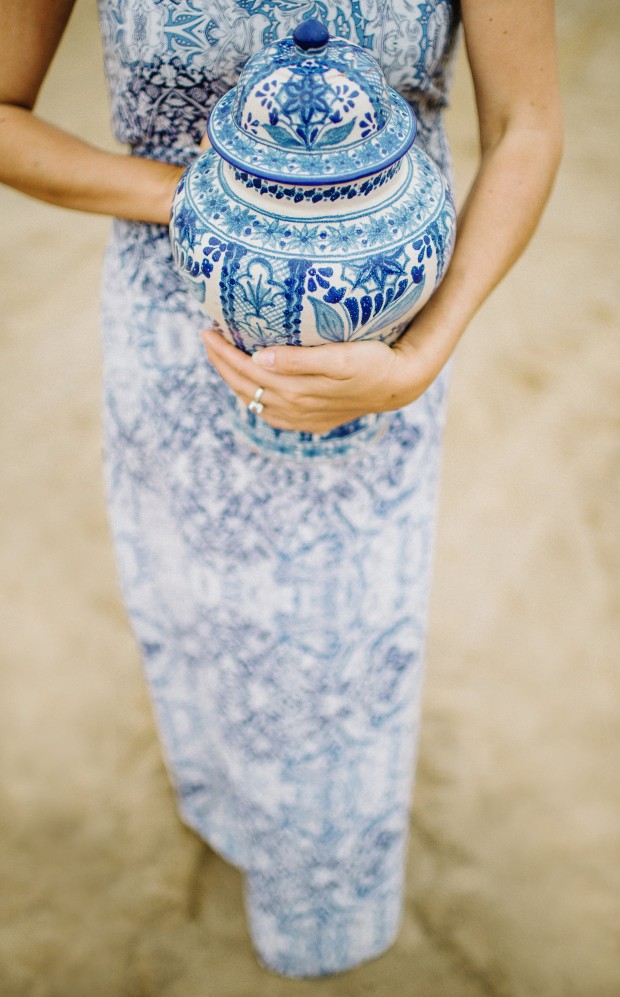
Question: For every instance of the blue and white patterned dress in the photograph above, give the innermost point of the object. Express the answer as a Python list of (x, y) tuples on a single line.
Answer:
[(277, 582)]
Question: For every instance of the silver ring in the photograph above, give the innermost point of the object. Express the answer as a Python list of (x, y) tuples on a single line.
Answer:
[(256, 406)]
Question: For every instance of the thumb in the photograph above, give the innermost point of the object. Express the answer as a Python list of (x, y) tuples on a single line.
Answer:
[(204, 142)]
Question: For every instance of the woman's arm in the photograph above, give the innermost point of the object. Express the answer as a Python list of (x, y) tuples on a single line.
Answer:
[(46, 162), (511, 49)]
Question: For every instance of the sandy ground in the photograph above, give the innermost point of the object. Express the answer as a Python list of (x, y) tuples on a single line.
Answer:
[(515, 843)]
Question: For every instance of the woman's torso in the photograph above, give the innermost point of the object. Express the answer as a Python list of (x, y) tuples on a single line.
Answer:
[(168, 61)]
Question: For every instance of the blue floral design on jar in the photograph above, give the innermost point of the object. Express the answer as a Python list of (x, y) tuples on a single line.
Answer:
[(311, 129)]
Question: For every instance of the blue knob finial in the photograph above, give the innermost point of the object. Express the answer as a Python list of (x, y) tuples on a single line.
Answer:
[(310, 34)]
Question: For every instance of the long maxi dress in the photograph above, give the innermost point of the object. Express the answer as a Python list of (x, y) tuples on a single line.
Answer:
[(277, 582)]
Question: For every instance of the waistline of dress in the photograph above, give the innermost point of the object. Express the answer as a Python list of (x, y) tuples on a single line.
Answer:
[(347, 440)]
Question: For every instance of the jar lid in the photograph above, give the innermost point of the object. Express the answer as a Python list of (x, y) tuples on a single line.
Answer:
[(310, 109)]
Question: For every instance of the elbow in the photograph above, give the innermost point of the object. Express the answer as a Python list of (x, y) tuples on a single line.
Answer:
[(550, 148), (557, 144), (551, 135), (537, 137)]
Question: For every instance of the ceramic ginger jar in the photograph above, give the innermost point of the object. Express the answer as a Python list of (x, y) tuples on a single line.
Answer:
[(313, 218)]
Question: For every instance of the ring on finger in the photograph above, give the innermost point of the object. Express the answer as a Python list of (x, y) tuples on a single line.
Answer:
[(256, 406)]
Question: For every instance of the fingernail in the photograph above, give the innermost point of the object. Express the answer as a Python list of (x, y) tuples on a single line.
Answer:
[(266, 358)]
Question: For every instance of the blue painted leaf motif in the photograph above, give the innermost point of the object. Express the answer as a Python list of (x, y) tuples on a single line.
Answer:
[(258, 289), (329, 325), (199, 290), (353, 309), (400, 303), (402, 284), (366, 303), (339, 134), (282, 136)]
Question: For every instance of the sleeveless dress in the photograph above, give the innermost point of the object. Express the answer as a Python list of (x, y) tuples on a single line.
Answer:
[(277, 582)]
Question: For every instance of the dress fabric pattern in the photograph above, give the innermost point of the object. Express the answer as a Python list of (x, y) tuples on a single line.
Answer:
[(277, 582)]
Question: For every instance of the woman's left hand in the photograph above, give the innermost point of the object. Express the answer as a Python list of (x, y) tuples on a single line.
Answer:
[(315, 388)]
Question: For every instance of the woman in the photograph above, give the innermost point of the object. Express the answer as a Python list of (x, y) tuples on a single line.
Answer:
[(278, 587)]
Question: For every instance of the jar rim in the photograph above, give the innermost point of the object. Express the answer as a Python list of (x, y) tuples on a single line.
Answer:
[(369, 156)]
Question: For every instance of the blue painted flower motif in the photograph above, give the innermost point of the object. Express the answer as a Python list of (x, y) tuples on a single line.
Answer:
[(344, 239), (317, 277), (345, 96), (267, 92), (302, 109), (417, 274), (251, 123), (368, 124), (305, 96), (376, 270), (334, 295), (425, 248), (188, 226), (214, 248)]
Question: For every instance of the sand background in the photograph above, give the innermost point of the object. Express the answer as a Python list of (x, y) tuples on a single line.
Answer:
[(513, 883)]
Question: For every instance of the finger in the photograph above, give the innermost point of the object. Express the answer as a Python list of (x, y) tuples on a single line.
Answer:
[(280, 412), (236, 359), (310, 393), (329, 360), (236, 379), (205, 142), (224, 355), (245, 387), (276, 412)]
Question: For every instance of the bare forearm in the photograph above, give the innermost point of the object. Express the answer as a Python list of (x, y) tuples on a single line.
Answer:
[(41, 160), (495, 224), (511, 51)]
